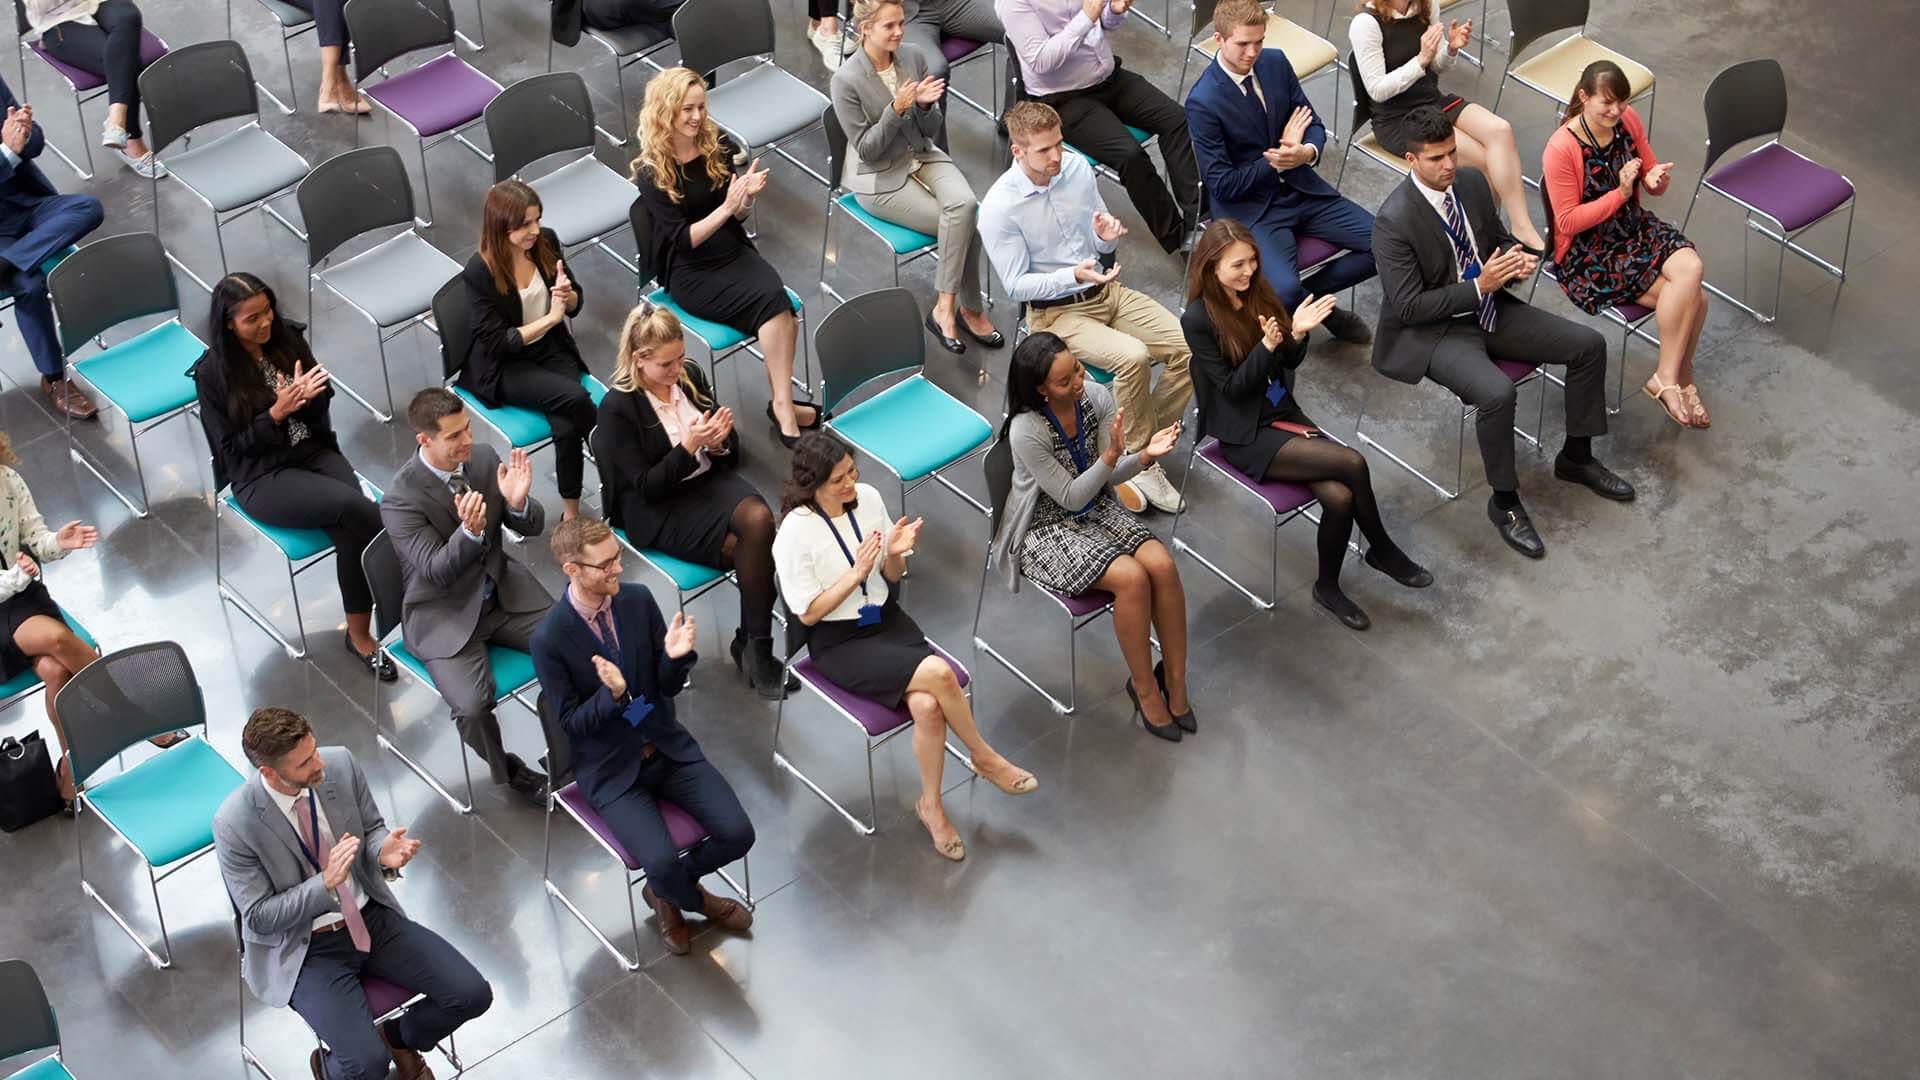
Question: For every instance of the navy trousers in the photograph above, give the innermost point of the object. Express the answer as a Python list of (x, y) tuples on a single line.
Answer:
[(31, 230), (700, 790), (1339, 221)]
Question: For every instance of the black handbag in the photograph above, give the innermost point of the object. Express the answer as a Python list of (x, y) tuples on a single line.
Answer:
[(27, 788)]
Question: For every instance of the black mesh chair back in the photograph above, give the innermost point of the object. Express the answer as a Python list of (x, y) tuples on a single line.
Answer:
[(999, 466), (713, 32), (125, 697), (353, 193), (1746, 101), (538, 116), (381, 564), (27, 1022), (642, 223), (1535, 19), (453, 314), (383, 29), (1362, 101), (196, 85), (870, 336), (559, 744), (836, 145), (108, 282)]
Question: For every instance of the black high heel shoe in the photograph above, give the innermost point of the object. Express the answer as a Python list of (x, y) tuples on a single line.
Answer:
[(1169, 732), (1185, 720)]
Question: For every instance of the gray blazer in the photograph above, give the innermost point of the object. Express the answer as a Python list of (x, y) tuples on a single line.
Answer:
[(1036, 472), (277, 892), (882, 144), (444, 571), (1422, 297)]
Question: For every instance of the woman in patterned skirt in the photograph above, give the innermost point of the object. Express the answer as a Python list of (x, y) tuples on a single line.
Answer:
[(1607, 248)]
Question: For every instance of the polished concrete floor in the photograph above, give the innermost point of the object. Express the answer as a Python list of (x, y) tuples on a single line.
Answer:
[(1646, 809)]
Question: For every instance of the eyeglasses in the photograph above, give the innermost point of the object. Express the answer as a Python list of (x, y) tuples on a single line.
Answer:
[(610, 566)]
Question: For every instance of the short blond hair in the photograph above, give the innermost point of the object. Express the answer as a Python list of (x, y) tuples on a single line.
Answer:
[(1231, 15), (1030, 118), (572, 538)]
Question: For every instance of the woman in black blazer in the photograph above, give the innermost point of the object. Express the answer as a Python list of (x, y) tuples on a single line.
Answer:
[(1245, 349), (523, 352), (669, 463), (264, 402)]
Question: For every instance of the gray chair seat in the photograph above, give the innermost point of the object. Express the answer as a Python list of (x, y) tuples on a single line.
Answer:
[(628, 40), (764, 105), (393, 281), (288, 15), (238, 168), (584, 199)]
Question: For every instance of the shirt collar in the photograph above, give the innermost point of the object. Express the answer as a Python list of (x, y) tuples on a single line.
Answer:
[(1434, 198), (284, 802), (587, 612), (446, 476), (1024, 187), (1228, 72)]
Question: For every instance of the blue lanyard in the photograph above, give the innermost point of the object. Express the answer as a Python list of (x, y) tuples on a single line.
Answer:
[(1075, 448), (853, 526)]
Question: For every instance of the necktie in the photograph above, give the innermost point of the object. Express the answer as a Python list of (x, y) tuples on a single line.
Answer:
[(609, 643), (1246, 86), (303, 818), (1469, 263)]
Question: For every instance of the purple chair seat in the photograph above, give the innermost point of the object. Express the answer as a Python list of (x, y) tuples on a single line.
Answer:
[(151, 49), (1631, 312), (437, 96), (953, 48), (1516, 369), (1284, 498), (1791, 189), (1084, 604), (382, 996), (878, 719), (681, 828), (1310, 251)]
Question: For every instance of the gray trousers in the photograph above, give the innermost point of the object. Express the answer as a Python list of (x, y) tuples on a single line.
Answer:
[(938, 201), (929, 20), (465, 681)]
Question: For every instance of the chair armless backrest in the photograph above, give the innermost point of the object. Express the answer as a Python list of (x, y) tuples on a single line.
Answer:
[(1362, 101), (383, 29), (124, 697), (868, 337), (642, 224), (538, 116), (999, 467), (196, 85), (353, 193), (713, 32), (453, 314), (107, 282), (836, 146), (567, 21), (1535, 19), (559, 742), (381, 564), (27, 1022), (1746, 101), (1202, 17)]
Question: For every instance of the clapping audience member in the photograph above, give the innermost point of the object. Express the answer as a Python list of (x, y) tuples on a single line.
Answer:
[(670, 474), (101, 37), (523, 349), (890, 109), (610, 666), (1258, 140), (1607, 248), (266, 403), (308, 862), (1401, 52), (337, 92), (1063, 529), (841, 560), (445, 511), (1245, 350), (1051, 239), (699, 205)]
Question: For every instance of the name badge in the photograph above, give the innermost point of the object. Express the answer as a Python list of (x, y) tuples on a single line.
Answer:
[(638, 709), (1275, 391), (869, 615)]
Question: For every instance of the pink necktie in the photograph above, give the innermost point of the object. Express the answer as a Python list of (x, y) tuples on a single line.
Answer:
[(303, 817)]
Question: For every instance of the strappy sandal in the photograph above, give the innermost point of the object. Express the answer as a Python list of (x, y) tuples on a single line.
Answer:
[(1684, 417), (1010, 778), (1700, 418), (952, 850)]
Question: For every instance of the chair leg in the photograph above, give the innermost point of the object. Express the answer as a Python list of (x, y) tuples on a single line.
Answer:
[(426, 186)]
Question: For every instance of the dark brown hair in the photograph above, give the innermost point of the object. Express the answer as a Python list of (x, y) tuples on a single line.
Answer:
[(271, 733), (429, 406), (504, 211), (1602, 78), (247, 391), (1235, 328), (814, 458)]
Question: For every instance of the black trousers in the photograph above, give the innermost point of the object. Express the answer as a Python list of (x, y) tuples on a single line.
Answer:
[(1463, 363), (1095, 120), (551, 385), (614, 14), (328, 997), (322, 494), (329, 21), (110, 49), (700, 790)]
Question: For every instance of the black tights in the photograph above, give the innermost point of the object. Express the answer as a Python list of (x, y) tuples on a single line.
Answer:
[(1339, 479), (748, 552)]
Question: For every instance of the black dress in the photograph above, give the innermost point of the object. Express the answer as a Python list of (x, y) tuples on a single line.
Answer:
[(724, 280), (1399, 43), (876, 662), (1234, 401)]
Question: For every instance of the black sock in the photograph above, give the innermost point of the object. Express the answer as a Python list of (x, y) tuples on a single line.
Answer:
[(1506, 500), (1579, 449)]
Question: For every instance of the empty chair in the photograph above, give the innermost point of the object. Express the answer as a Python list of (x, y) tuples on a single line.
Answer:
[(28, 1024), (84, 85), (762, 107), (582, 200), (628, 45), (1553, 71)]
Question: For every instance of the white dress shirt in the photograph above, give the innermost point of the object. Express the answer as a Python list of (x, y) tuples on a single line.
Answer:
[(1364, 35), (807, 560), (1239, 80), (1035, 235), (286, 803)]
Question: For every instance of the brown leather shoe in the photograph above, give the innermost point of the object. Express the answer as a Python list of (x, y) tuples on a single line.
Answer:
[(725, 913), (409, 1062), (673, 925), (67, 398)]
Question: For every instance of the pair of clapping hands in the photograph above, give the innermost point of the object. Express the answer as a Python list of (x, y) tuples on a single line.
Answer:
[(1158, 446), (709, 432), (72, 537), (514, 477), (744, 186), (1293, 151), (17, 128), (925, 93), (395, 852), (679, 642), (1094, 9), (1455, 34)]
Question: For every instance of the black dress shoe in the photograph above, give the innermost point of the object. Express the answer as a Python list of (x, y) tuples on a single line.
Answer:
[(1593, 476), (1169, 732), (1516, 528), (378, 662), (992, 339), (1347, 326), (1407, 572), (529, 785), (1345, 610), (951, 344), (1184, 720)]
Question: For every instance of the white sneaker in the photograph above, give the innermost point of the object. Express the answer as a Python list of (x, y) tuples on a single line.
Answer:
[(1159, 491), (146, 166), (113, 136), (828, 42)]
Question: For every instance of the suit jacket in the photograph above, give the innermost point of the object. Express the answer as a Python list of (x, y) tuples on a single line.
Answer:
[(881, 144), (24, 184), (243, 453), (497, 318), (1231, 134), (443, 571), (1231, 398), (606, 744), (1419, 277), (276, 891), (641, 473)]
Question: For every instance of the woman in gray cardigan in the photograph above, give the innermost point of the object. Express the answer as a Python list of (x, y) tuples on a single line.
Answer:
[(896, 170), (1064, 529)]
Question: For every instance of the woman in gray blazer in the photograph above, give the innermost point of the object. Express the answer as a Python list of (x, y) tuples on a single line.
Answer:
[(897, 172)]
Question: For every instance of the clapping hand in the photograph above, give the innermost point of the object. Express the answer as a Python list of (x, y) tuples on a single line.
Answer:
[(1657, 176), (928, 92), (903, 95), (1509, 265), (1093, 9), (1087, 272), (868, 554), (1272, 334), (17, 128), (709, 431), (515, 478), (1161, 444), (610, 676), (1116, 438), (680, 636), (1119, 7), (1293, 151), (292, 393), (73, 536), (1430, 43), (472, 509), (1629, 174), (1311, 313), (563, 295), (340, 862), (1108, 228), (24, 563), (1458, 34), (904, 536), (397, 850), (744, 186)]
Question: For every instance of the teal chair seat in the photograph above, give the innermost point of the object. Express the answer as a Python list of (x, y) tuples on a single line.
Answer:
[(298, 545), (164, 806), (718, 337), (524, 427), (903, 240), (512, 669), (27, 680), (145, 376), (686, 576), (48, 1068), (913, 426), (1099, 375), (46, 267), (1139, 136)]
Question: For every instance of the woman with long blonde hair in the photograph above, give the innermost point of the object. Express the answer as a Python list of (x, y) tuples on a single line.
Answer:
[(701, 254)]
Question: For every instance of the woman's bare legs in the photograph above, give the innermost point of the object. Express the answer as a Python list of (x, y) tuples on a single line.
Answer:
[(1486, 143), (57, 653), (1134, 609), (778, 336), (936, 701), (336, 83), (1679, 308)]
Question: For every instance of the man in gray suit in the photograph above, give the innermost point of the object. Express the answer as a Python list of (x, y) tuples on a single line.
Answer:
[(444, 512), (307, 859)]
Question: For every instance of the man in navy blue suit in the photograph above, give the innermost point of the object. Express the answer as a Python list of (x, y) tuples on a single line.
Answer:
[(610, 666), (1257, 141), (37, 221)]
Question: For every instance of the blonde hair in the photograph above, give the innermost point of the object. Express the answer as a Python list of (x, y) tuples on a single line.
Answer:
[(572, 537), (1030, 117), (6, 451), (648, 328), (863, 10), (1233, 14), (654, 132)]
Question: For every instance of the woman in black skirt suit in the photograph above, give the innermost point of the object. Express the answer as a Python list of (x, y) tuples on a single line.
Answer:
[(1245, 350), (669, 461), (700, 249), (840, 562)]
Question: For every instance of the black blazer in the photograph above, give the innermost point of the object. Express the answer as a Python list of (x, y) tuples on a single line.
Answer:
[(606, 745), (1418, 274), (243, 453), (641, 473), (496, 329), (1231, 398)]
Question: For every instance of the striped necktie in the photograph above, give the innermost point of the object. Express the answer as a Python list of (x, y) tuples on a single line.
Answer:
[(1469, 263)]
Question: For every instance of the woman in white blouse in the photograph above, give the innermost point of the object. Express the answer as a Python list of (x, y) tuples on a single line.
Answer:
[(840, 561), (1401, 52)]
